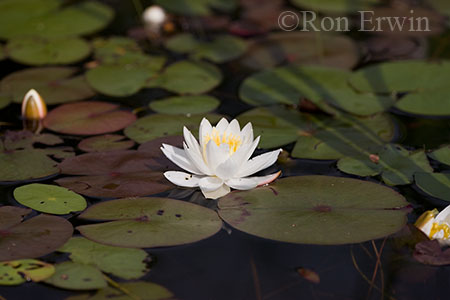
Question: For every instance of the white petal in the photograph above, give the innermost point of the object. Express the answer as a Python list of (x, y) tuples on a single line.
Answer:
[(220, 192), (227, 169), (215, 155), (233, 128), (210, 184), (244, 152), (191, 141), (247, 133), (262, 180), (258, 163), (197, 160), (222, 125), (182, 179), (444, 216), (179, 157), (242, 183), (205, 128)]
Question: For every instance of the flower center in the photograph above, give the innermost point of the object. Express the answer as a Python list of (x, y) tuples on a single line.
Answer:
[(233, 141), (438, 227)]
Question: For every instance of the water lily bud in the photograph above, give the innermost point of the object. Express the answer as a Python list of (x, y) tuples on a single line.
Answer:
[(154, 17), (33, 106)]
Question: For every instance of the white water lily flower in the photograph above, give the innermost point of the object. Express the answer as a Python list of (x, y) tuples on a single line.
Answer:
[(221, 161), (436, 225)]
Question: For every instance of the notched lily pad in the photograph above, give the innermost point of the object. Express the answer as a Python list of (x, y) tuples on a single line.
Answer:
[(185, 105), (319, 210), (88, 118), (104, 143), (19, 271), (76, 276), (149, 222), (49, 198)]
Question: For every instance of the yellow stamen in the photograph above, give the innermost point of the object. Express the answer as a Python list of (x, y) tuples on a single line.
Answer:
[(438, 227), (426, 217), (233, 141)]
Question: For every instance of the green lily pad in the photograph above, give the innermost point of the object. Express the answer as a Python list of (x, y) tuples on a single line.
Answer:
[(116, 174), (21, 161), (32, 238), (434, 184), (109, 50), (220, 50), (2, 52), (395, 164), (188, 77), (316, 210), (196, 7), (19, 271), (54, 84), (149, 222), (441, 155), (88, 118), (288, 85), (104, 143), (38, 51), (302, 48), (76, 276), (336, 6), (189, 105), (50, 18), (430, 103), (49, 199), (126, 263), (138, 290), (160, 125)]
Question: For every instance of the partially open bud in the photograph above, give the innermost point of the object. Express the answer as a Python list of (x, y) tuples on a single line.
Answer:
[(33, 106)]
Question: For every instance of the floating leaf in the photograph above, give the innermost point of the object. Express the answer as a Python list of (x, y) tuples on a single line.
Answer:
[(288, 85), (2, 52), (188, 105), (160, 125), (43, 51), (149, 222), (221, 49), (434, 184), (19, 271), (396, 165), (316, 210), (110, 50), (54, 84), (76, 276), (301, 48), (442, 155), (431, 253), (50, 18), (116, 174), (21, 161), (188, 77), (88, 118), (104, 143), (430, 103), (49, 198), (125, 263), (196, 7), (32, 238), (336, 6)]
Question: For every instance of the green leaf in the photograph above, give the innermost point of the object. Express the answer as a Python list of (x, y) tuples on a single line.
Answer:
[(105, 143), (316, 210), (434, 184), (125, 263), (188, 105), (75, 276), (20, 271), (429, 103), (110, 50), (149, 222), (44, 51), (441, 155), (49, 198)]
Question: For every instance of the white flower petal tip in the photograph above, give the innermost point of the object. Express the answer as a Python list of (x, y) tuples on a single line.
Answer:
[(436, 225), (220, 160), (33, 106)]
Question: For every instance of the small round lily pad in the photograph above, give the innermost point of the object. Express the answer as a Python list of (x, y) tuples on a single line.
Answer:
[(76, 276), (49, 198), (442, 154), (19, 271), (188, 105), (88, 118)]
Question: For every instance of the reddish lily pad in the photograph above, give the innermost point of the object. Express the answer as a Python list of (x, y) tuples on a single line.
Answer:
[(149, 222), (32, 238), (431, 253), (104, 143), (88, 118)]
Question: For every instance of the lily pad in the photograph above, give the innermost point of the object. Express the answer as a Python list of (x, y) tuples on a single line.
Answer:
[(395, 164), (49, 198), (76, 276), (50, 18), (2, 52), (38, 51), (441, 155), (19, 271), (88, 118), (32, 238), (110, 50), (220, 50), (126, 263), (196, 7), (316, 210), (54, 84), (149, 222), (288, 85), (116, 174), (104, 143), (160, 125), (189, 105), (336, 6), (21, 161), (302, 48), (434, 184), (188, 77)]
